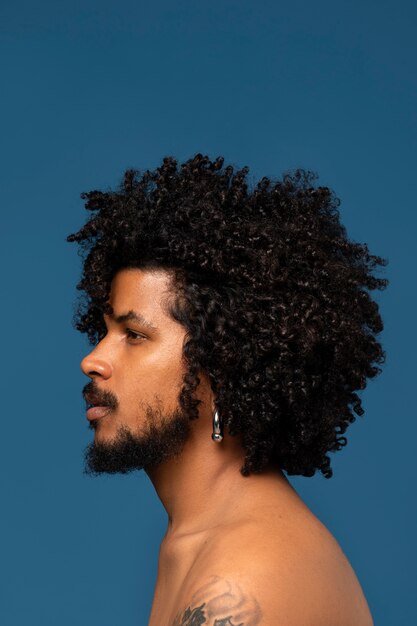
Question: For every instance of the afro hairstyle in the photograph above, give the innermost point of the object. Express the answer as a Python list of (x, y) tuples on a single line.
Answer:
[(274, 296)]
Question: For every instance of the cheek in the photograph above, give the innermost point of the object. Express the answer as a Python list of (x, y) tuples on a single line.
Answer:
[(167, 378), (153, 375)]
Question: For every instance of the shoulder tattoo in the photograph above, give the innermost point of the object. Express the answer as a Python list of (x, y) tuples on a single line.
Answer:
[(220, 603)]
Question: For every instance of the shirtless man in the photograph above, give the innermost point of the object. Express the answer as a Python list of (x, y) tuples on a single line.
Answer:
[(228, 333)]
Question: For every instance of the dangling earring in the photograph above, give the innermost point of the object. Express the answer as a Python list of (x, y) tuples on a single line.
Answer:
[(217, 434)]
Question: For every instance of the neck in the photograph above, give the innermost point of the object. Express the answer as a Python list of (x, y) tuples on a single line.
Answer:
[(203, 488)]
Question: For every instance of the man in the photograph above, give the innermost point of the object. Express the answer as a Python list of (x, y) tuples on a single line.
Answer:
[(231, 327)]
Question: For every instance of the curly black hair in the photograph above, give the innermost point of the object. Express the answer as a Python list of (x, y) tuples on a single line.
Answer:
[(273, 295)]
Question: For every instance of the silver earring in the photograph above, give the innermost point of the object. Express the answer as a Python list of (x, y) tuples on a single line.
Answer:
[(217, 434)]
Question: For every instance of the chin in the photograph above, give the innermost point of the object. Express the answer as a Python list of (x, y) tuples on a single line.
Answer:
[(102, 432)]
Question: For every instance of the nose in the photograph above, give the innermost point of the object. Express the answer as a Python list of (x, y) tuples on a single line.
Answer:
[(92, 366)]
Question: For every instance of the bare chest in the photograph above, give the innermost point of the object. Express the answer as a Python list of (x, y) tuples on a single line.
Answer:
[(184, 567), (168, 600), (177, 565), (162, 609)]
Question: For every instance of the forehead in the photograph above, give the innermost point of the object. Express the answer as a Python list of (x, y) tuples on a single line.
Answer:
[(143, 291)]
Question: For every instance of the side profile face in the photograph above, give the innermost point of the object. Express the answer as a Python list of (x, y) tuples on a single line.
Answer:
[(136, 371)]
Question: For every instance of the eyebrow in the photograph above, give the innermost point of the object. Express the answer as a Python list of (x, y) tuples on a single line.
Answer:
[(132, 316)]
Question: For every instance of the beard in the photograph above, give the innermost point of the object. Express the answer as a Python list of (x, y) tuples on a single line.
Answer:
[(162, 437)]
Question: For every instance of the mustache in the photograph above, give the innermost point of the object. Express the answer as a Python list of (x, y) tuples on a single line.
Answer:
[(98, 397)]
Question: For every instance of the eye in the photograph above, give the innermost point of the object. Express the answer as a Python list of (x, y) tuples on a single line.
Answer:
[(134, 336)]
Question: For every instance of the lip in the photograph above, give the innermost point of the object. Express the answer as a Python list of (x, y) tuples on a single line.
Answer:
[(96, 412)]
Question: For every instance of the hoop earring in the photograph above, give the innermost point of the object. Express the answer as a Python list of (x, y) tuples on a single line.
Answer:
[(217, 434)]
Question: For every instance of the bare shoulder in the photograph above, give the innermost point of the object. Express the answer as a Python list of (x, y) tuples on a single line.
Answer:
[(272, 576)]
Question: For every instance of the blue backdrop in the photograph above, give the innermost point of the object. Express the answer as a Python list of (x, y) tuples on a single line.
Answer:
[(91, 87)]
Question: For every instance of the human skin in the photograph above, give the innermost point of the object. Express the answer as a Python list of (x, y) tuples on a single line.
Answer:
[(137, 370), (236, 548)]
